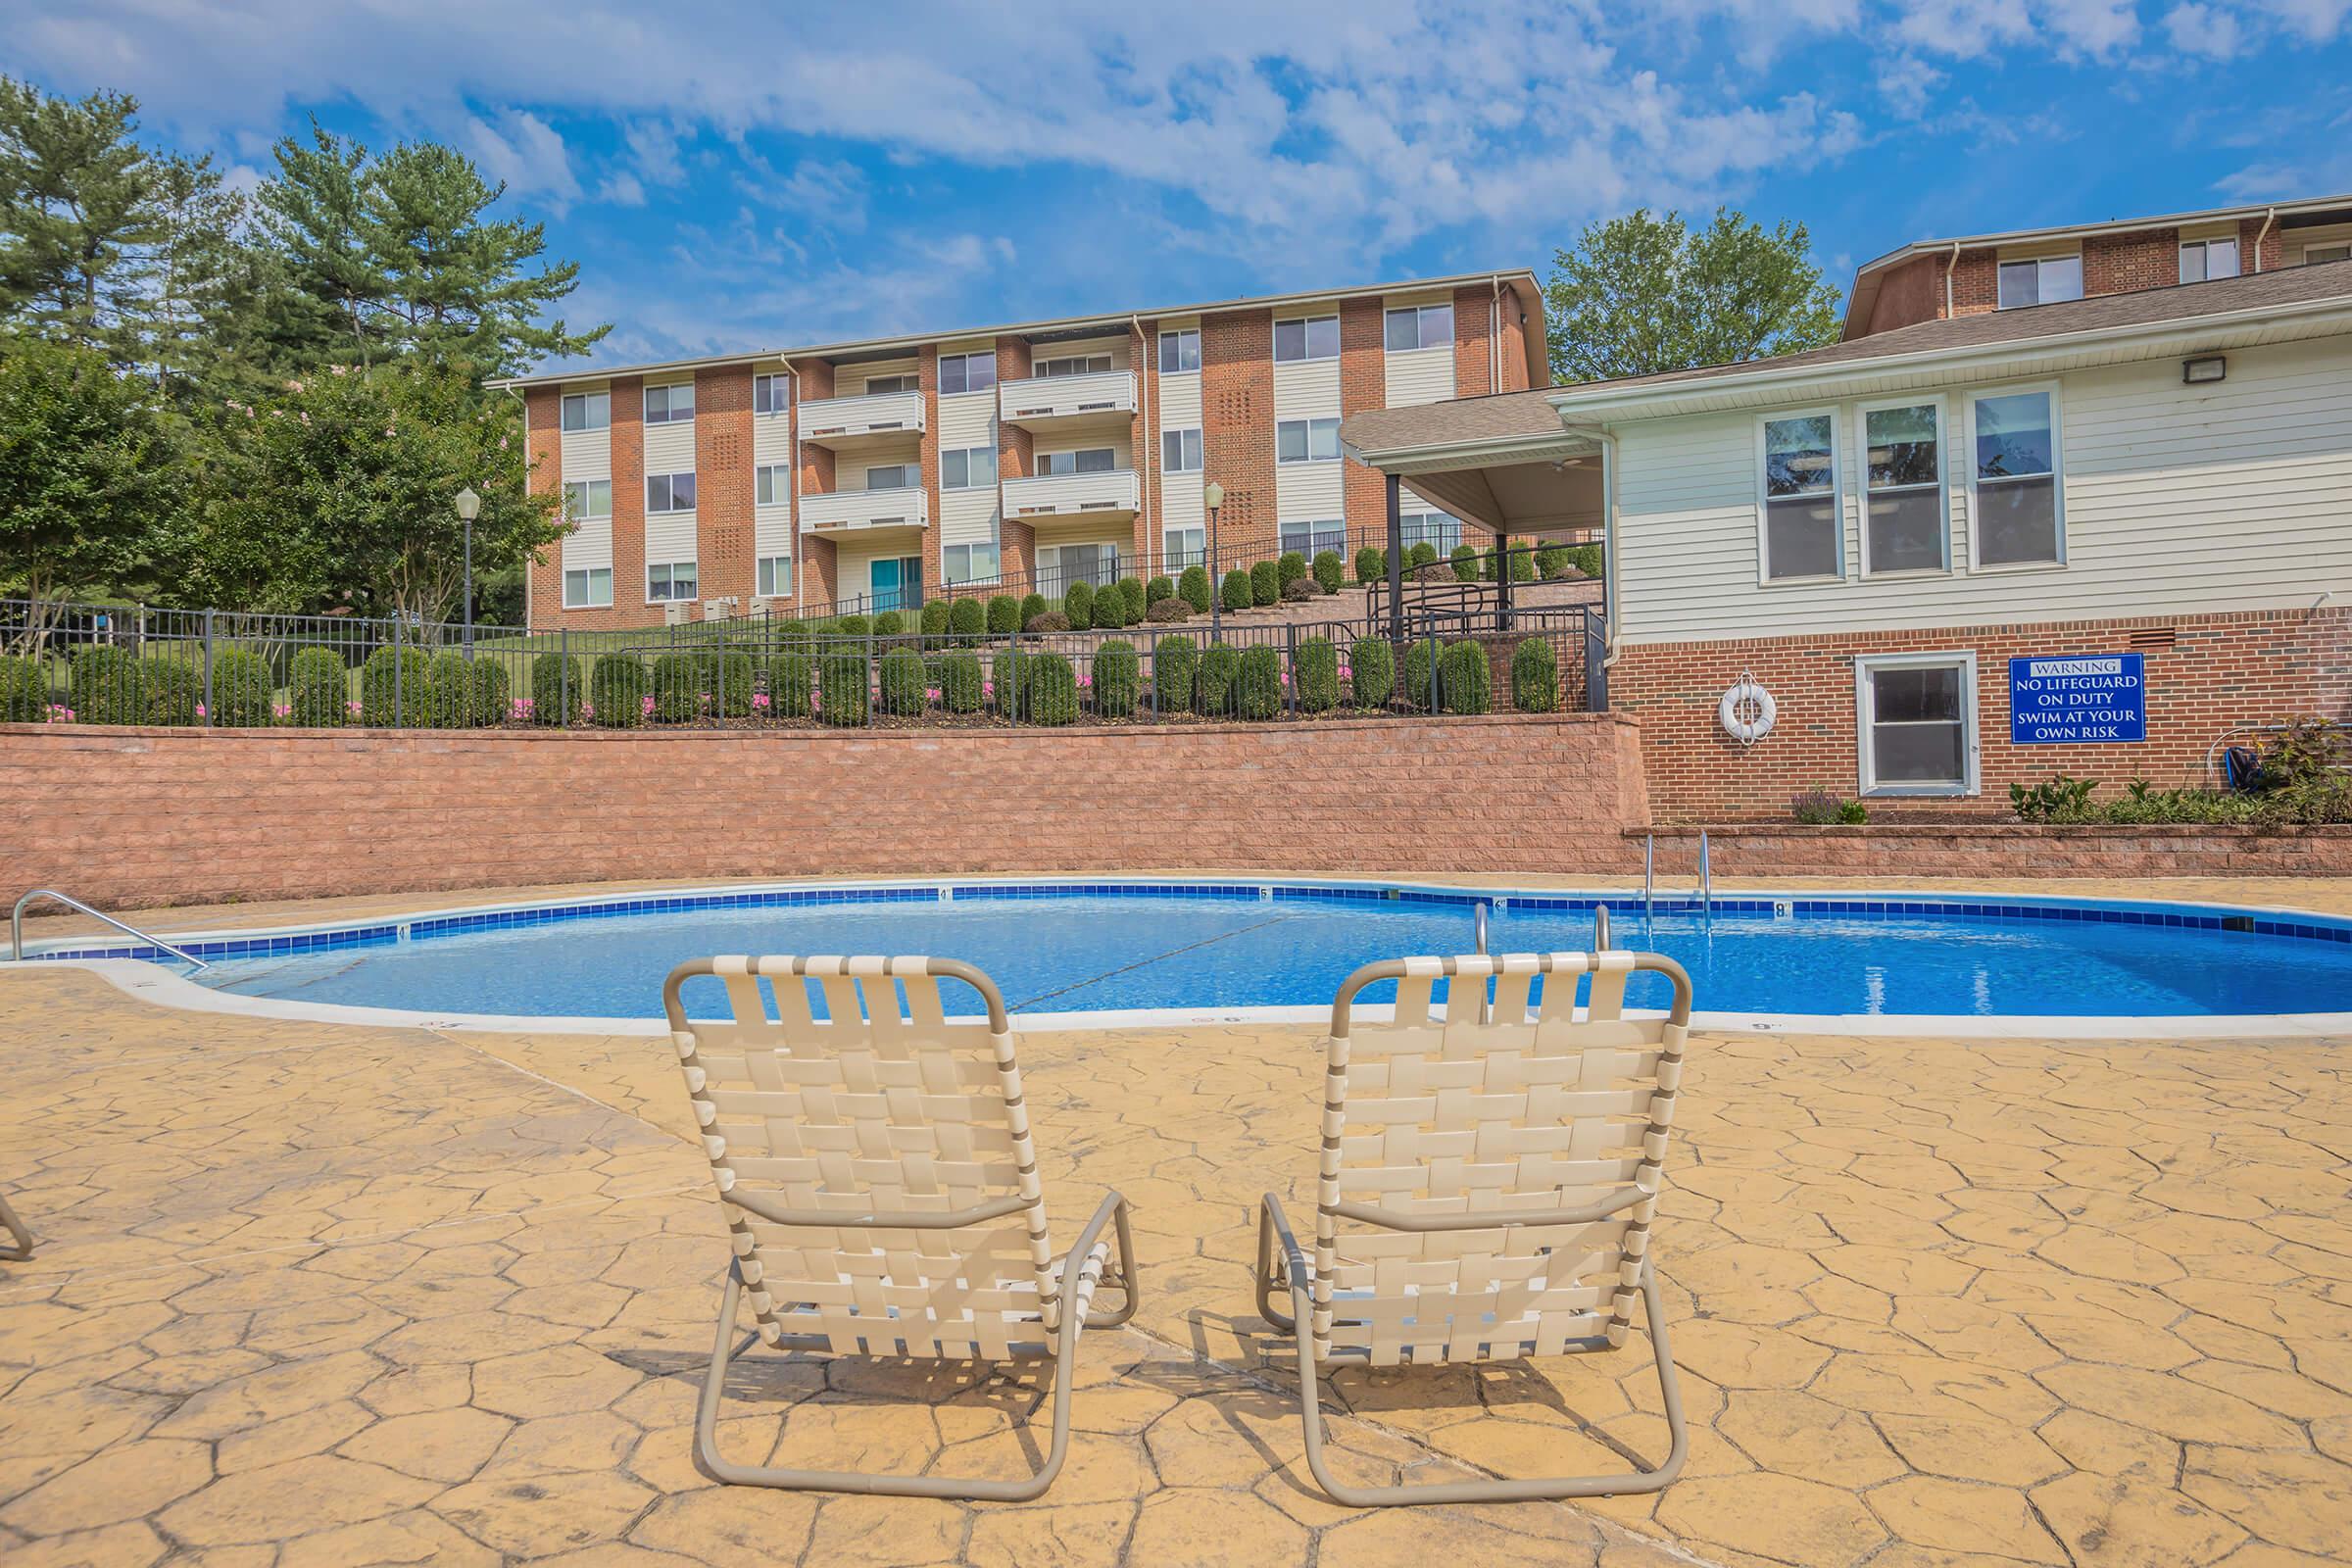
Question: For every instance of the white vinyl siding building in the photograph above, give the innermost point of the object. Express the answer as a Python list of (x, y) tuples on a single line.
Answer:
[(1309, 477), (968, 518), (587, 555), (1423, 374), (1182, 516)]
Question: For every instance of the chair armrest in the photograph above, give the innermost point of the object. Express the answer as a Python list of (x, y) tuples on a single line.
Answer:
[(1299, 1272)]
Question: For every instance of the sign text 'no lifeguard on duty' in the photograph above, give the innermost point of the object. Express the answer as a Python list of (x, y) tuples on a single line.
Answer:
[(2078, 699)]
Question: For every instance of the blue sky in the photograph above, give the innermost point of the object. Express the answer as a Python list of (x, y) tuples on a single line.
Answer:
[(745, 175)]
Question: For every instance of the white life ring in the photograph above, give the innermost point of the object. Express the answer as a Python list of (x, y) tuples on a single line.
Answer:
[(1747, 712)]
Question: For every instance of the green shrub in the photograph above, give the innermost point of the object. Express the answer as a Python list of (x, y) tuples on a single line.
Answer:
[(394, 688), (1136, 598), (1236, 592), (171, 690), (1168, 612), (1466, 682), (1371, 565), (905, 681), (792, 636), (1523, 565), (1423, 554), (841, 688), (680, 681), (489, 698), (890, 623), (1220, 668), (244, 691), (1192, 589), (1049, 621), (1820, 806), (1032, 607), (1413, 683), (1289, 568), (852, 626), (1157, 589), (935, 618), (558, 690), (1118, 678), (790, 677), (318, 690), (1466, 563), (616, 691), (1585, 558), (1010, 673), (25, 690), (1079, 604), (1485, 566), (1329, 570), (449, 702), (967, 618), (2064, 798), (734, 672), (1258, 689), (1371, 672), (960, 687), (1535, 678), (1551, 561), (104, 687), (1266, 583), (1174, 664), (1299, 590), (1004, 614), (1318, 673), (1053, 690)]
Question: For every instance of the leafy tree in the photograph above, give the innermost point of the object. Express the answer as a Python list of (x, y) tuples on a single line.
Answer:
[(205, 284), (75, 206), (1642, 293)]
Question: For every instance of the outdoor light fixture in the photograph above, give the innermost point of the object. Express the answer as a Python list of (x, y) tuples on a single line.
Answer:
[(469, 507), (1213, 494), (2200, 372)]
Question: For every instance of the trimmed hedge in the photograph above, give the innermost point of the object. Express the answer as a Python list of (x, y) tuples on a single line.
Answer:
[(1032, 607), (25, 690), (1004, 614), (1157, 589), (1048, 620), (1466, 564), (1289, 568), (103, 687), (890, 623), (1466, 682), (1318, 674), (616, 691), (852, 626), (790, 678), (1192, 589), (735, 674), (1266, 583), (1174, 665), (1371, 565), (244, 691), (1372, 672), (1118, 678), (318, 690), (1011, 678), (1329, 570), (841, 689), (1168, 612), (1053, 690), (1299, 590), (1236, 591), (1135, 598), (1421, 661), (960, 687), (904, 682), (967, 618), (681, 680), (1220, 668), (935, 618), (1078, 604), (172, 689), (1423, 554), (394, 688), (1258, 690), (559, 689), (1535, 678)]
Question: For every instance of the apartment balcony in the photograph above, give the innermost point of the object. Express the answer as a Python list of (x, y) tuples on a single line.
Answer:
[(1060, 496), (841, 512), (1068, 404), (872, 419)]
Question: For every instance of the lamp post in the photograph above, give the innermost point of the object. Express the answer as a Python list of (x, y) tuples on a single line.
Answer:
[(469, 507), (1213, 494)]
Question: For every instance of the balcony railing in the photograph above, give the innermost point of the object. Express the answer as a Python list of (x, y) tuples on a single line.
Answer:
[(1113, 492), (843, 510), (1065, 397), (826, 421)]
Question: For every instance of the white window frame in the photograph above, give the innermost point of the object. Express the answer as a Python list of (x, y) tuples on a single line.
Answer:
[(1038, 464), (946, 553), (2304, 257), (2057, 475), (1332, 431), (1421, 338), (967, 454), (671, 479), (1179, 334), (1306, 338), (671, 566), (1430, 526), (2205, 247), (966, 358), (2037, 263), (1867, 664), (1190, 546), (1188, 446), (669, 396), (588, 500), (764, 570), (1109, 362), (915, 384), (1324, 529), (588, 402), (764, 387), (1837, 468), (771, 484), (587, 576), (1943, 485)]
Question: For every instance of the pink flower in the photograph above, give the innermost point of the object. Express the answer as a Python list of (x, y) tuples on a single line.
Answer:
[(758, 699), (586, 711), (352, 709), (60, 714), (293, 386), (645, 705), (334, 370), (199, 710), (282, 710)]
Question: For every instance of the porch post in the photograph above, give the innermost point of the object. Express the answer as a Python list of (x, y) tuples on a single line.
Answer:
[(1396, 559), (1502, 577)]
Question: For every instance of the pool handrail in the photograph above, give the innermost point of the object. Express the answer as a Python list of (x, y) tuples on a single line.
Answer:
[(16, 926)]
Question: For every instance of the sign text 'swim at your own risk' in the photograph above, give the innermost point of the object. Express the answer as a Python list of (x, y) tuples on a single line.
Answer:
[(2079, 699)]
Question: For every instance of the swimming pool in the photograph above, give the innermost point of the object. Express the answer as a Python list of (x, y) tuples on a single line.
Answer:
[(1191, 948)]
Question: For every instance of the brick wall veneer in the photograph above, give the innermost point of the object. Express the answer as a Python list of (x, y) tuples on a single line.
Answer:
[(150, 816)]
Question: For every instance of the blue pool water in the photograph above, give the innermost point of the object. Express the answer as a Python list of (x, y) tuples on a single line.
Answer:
[(1059, 951)]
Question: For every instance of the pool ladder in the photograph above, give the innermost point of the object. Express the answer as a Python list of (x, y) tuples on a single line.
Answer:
[(16, 926), (1706, 893)]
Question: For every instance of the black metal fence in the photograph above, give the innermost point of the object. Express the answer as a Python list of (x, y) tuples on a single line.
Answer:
[(97, 665)]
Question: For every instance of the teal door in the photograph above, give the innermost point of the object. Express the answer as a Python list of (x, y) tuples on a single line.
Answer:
[(897, 584)]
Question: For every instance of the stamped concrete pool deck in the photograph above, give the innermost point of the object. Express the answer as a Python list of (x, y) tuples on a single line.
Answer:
[(313, 1294)]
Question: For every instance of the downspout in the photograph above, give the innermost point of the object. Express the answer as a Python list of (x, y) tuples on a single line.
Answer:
[(1949, 268), (2268, 219), (530, 562)]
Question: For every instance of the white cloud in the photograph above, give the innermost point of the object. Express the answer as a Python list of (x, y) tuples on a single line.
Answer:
[(526, 152), (2202, 29), (1906, 81), (2317, 21)]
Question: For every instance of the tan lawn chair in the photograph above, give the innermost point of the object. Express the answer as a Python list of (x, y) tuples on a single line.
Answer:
[(1487, 1188), (881, 1191)]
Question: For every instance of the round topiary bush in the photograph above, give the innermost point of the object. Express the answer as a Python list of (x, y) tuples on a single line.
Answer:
[(1134, 599), (1192, 588), (1431, 571), (23, 689), (1299, 590), (967, 618), (103, 687), (1118, 678), (681, 685), (394, 688), (1174, 664), (244, 694), (1046, 621), (1329, 571), (487, 697), (792, 636), (1053, 690), (1423, 554), (904, 682), (1032, 607), (1416, 685), (1466, 563), (1318, 675), (1004, 614), (1220, 668), (1466, 682), (790, 680), (1551, 561), (1236, 592), (841, 688), (450, 692), (734, 672), (616, 691), (1266, 583), (1585, 558), (961, 688), (1371, 565), (1289, 568), (1079, 604), (1010, 674), (172, 690), (318, 690), (1258, 688), (1523, 565), (558, 690), (1157, 589), (1168, 612), (935, 618), (890, 623), (852, 626), (1371, 672), (1535, 678)]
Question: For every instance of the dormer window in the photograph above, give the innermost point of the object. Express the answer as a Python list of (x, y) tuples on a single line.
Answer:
[(2044, 280), (2205, 259)]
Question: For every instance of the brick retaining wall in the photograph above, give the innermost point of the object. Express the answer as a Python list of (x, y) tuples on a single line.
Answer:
[(138, 816), (2002, 850)]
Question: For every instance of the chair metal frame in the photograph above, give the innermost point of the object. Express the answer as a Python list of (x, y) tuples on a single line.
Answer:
[(1078, 1269), (21, 1247), (1282, 1264)]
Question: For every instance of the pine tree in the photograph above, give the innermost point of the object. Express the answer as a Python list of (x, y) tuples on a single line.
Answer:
[(76, 205), (310, 213), (204, 285)]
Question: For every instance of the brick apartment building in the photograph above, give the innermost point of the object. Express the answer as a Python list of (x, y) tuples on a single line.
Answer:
[(870, 473), (1935, 279)]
